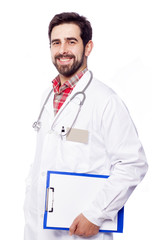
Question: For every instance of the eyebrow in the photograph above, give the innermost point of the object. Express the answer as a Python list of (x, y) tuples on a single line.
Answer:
[(69, 38), (72, 38), (55, 40)]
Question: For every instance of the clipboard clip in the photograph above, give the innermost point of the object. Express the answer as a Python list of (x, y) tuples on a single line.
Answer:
[(50, 199)]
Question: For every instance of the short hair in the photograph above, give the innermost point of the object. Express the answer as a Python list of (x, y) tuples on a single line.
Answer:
[(72, 17)]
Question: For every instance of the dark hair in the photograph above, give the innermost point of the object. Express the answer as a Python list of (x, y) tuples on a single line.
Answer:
[(72, 17)]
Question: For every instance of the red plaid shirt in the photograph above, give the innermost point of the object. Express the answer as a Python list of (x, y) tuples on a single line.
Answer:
[(62, 92)]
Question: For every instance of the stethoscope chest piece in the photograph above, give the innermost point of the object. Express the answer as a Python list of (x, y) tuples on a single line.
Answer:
[(36, 126)]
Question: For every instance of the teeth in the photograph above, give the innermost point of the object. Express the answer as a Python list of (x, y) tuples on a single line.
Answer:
[(64, 59)]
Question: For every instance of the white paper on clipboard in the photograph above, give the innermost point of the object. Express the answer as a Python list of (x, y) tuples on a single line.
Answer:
[(68, 194)]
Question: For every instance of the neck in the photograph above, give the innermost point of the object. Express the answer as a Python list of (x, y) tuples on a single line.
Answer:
[(64, 79)]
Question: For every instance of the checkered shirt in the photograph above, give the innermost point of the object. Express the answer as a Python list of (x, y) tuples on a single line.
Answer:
[(62, 92)]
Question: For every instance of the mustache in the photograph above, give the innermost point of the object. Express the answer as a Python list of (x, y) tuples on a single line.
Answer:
[(64, 56)]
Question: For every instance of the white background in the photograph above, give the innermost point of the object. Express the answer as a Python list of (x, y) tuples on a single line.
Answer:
[(126, 56)]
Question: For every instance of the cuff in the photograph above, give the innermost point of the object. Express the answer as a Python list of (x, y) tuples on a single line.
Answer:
[(94, 216)]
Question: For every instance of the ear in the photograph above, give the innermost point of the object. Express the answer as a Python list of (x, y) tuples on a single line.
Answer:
[(88, 48)]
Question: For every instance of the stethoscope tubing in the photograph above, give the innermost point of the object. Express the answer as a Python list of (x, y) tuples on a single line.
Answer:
[(37, 125)]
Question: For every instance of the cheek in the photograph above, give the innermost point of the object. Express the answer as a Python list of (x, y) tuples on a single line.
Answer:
[(53, 55), (53, 52), (79, 54)]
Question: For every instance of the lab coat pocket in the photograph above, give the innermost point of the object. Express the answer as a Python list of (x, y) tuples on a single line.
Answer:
[(74, 156), (77, 135)]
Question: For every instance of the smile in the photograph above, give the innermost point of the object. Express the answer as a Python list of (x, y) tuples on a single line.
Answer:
[(64, 59)]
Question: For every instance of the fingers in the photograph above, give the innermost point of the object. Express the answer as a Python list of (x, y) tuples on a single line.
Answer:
[(73, 227), (82, 227)]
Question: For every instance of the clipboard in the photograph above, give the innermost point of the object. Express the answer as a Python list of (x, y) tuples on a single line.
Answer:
[(68, 194)]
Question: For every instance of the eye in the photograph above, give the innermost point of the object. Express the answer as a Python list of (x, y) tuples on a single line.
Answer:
[(55, 43), (72, 42)]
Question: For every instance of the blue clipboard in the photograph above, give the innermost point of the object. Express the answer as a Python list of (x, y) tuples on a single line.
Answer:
[(63, 190)]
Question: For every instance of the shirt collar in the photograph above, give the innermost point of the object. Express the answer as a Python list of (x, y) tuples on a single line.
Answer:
[(68, 84)]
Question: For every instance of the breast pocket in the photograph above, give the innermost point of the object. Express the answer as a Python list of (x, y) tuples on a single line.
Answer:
[(74, 155), (77, 135)]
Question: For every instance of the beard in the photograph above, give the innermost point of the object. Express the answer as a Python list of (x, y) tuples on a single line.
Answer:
[(68, 70)]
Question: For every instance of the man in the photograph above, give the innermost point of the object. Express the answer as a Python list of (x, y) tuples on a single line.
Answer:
[(110, 145)]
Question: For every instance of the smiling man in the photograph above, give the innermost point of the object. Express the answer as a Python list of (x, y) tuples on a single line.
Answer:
[(69, 54), (109, 144)]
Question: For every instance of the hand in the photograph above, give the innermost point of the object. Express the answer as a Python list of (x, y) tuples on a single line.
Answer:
[(82, 227)]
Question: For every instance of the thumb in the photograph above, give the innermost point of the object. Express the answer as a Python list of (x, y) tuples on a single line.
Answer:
[(73, 227)]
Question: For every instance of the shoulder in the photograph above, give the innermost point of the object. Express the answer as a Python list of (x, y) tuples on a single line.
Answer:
[(100, 91), (101, 87), (105, 98)]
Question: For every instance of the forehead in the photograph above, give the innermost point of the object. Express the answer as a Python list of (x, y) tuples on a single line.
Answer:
[(66, 30)]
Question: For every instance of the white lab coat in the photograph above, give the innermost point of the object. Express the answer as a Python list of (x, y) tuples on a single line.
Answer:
[(113, 149)]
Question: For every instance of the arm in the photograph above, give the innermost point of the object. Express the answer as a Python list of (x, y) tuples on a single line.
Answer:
[(128, 167), (127, 159)]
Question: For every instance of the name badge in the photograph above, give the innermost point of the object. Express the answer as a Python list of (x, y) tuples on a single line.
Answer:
[(78, 135)]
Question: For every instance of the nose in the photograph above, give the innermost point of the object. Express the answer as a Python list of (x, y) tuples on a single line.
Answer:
[(63, 48)]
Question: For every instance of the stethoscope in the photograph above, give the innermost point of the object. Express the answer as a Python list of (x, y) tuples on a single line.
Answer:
[(37, 125)]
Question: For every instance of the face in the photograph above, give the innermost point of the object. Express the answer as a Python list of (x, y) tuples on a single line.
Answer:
[(67, 50)]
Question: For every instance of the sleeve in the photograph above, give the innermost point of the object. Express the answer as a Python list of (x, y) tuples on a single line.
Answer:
[(127, 160)]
